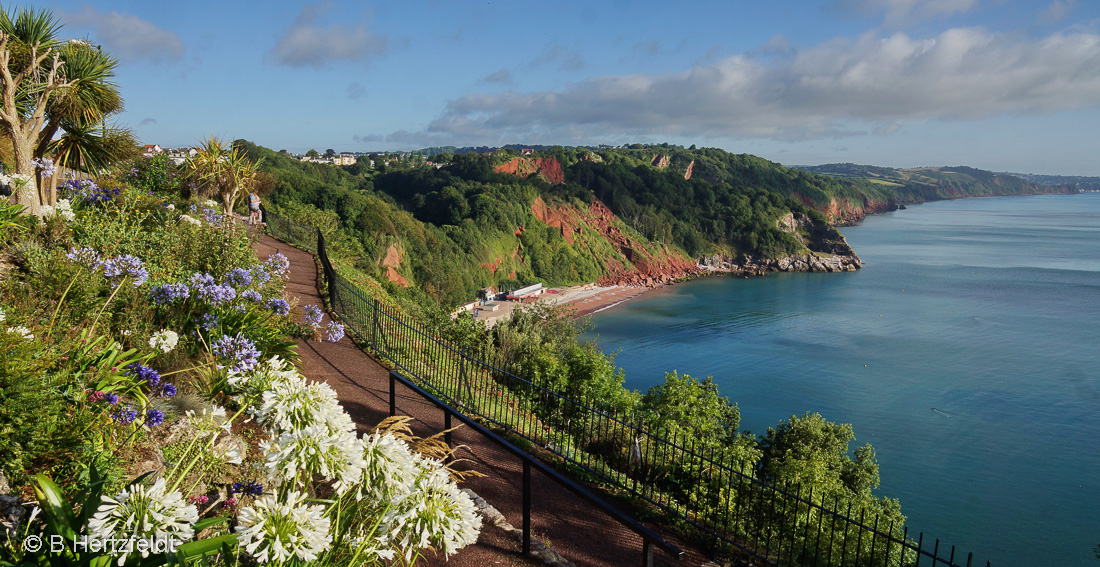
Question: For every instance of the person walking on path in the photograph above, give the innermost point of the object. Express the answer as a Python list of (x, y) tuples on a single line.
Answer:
[(253, 208)]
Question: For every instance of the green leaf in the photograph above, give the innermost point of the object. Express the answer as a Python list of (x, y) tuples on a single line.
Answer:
[(202, 547), (207, 522), (59, 514)]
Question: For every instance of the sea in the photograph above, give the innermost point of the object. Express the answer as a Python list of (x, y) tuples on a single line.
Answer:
[(966, 351)]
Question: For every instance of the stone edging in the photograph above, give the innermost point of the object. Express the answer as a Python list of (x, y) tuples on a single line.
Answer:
[(539, 550)]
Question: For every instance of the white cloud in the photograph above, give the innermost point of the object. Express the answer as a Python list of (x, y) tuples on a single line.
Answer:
[(307, 43), (127, 36), (840, 88)]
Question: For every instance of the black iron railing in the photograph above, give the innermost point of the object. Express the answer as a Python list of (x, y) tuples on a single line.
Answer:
[(700, 487)]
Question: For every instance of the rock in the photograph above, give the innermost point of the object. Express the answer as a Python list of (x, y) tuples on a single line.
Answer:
[(12, 514), (5, 488)]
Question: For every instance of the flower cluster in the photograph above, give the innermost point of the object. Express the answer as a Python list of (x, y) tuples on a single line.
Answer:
[(313, 438), (334, 332), (124, 415), (46, 165), (125, 266), (238, 277), (190, 220), (237, 353), (22, 331), (169, 293), (275, 531), (152, 380), (86, 191), (277, 265), (63, 210), (213, 293), (248, 488), (101, 396), (278, 305), (86, 256), (144, 512), (311, 315), (164, 340)]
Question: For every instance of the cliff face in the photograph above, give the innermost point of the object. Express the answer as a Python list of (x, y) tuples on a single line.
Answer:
[(547, 168), (844, 212), (626, 259), (828, 252)]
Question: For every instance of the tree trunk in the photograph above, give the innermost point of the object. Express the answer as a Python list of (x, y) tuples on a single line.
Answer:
[(23, 150)]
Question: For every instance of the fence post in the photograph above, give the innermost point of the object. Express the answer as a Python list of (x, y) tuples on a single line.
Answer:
[(647, 553), (393, 395)]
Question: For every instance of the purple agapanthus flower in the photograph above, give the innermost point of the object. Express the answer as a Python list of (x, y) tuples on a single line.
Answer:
[(166, 389), (251, 295), (124, 415), (208, 321), (237, 353), (210, 292), (85, 255), (277, 265), (334, 332), (111, 398), (250, 488), (238, 277), (154, 418), (312, 315), (211, 216), (259, 274), (151, 377), (278, 305), (169, 293), (126, 265)]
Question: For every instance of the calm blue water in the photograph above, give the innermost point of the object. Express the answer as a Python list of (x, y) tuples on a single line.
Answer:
[(987, 310)]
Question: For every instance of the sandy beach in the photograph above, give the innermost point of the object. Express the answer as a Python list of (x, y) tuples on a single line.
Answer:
[(585, 299)]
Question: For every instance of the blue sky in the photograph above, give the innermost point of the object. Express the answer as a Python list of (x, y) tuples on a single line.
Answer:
[(1007, 85)]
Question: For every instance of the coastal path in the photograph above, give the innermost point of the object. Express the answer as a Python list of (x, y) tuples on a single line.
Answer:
[(580, 532)]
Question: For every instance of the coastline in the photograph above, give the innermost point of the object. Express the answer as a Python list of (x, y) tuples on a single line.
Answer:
[(588, 299)]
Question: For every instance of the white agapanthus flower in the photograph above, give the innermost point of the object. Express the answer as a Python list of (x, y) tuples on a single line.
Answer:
[(64, 209), (21, 331), (165, 340), (3, 315), (211, 420), (46, 211), (434, 514), (390, 468), (289, 405), (273, 531), (263, 376), (170, 207), (210, 204), (297, 457), (190, 220), (144, 512)]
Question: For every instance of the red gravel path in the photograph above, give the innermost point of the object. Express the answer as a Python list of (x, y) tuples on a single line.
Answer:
[(577, 530)]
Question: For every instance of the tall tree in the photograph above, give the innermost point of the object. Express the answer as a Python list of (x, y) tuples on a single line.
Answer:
[(48, 85), (222, 170)]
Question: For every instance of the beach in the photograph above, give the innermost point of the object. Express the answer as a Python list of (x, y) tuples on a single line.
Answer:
[(584, 299)]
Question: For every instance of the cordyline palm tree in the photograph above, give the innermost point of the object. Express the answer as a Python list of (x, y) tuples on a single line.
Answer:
[(222, 170), (49, 85)]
